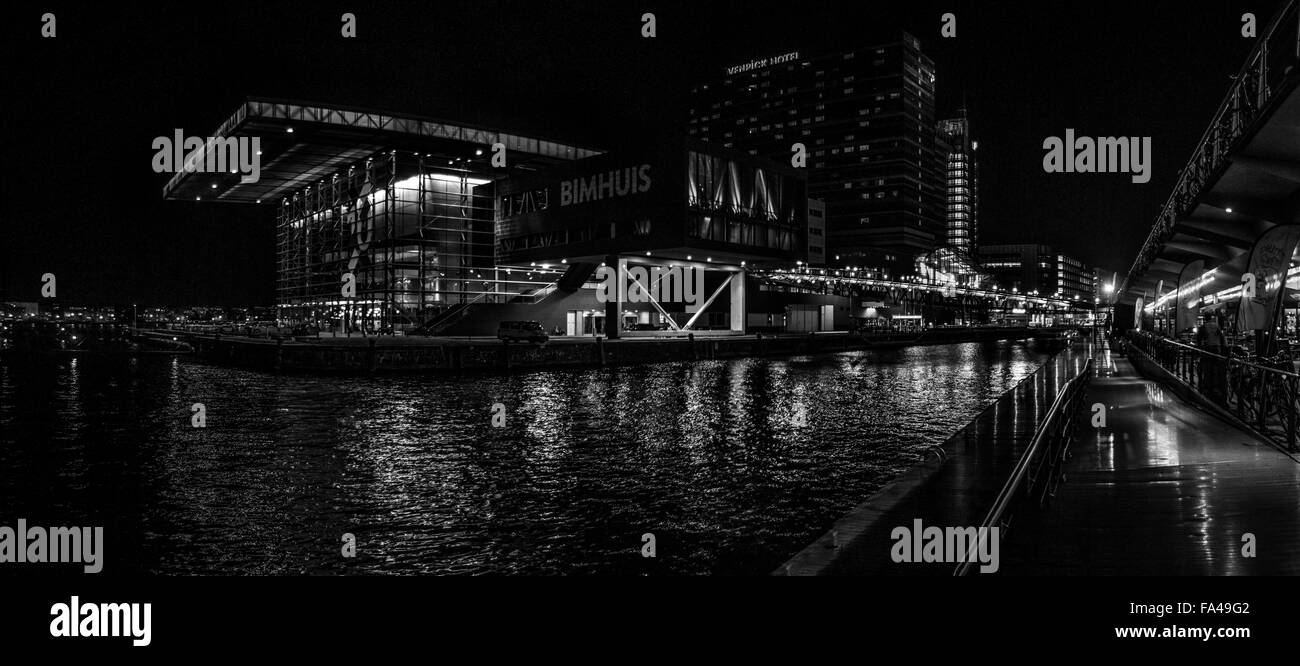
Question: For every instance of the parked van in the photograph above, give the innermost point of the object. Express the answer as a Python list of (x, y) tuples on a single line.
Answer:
[(528, 331)]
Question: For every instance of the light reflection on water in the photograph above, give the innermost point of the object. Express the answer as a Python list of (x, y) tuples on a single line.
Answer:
[(733, 465)]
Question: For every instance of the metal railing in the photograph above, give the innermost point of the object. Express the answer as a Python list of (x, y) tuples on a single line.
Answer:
[(1264, 398), (1039, 470)]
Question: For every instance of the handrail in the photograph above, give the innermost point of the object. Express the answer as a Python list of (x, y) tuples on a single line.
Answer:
[(1232, 359), (1262, 398), (1014, 483)]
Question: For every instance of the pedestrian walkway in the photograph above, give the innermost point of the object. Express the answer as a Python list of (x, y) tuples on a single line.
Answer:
[(1163, 489), (954, 487)]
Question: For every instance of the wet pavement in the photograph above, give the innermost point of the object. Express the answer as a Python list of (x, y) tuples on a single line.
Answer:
[(955, 490), (1164, 489)]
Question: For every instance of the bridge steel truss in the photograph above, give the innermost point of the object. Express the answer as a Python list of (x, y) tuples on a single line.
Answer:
[(1268, 77)]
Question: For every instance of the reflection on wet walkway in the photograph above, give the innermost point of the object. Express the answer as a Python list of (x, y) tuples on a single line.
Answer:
[(956, 491), (1164, 489)]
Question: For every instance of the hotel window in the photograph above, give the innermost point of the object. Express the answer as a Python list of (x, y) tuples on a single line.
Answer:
[(848, 91)]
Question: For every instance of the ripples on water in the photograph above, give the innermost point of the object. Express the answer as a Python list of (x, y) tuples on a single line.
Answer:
[(709, 456)]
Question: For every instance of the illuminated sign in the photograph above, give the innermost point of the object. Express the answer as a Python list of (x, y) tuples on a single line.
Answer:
[(613, 183), (760, 63)]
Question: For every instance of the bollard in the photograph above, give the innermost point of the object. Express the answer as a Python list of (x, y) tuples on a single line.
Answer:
[(370, 354), (600, 349), (759, 343), (279, 354), (690, 337)]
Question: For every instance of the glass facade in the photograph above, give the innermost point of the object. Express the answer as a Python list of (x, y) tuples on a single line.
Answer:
[(414, 237), (962, 200), (742, 204)]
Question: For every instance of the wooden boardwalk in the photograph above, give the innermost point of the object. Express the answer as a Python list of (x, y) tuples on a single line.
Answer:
[(1164, 489)]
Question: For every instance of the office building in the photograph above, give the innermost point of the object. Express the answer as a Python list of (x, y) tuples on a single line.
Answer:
[(866, 119), (961, 209)]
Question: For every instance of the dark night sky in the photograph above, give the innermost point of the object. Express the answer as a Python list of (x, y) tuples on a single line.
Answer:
[(81, 201)]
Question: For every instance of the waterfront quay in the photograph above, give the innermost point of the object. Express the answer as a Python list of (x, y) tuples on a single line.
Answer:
[(423, 354), (955, 485), (1162, 485)]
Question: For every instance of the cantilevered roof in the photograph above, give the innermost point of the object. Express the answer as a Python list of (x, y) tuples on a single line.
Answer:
[(304, 142), (1244, 177)]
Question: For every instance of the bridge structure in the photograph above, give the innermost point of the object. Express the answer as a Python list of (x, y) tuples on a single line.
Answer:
[(1241, 182)]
